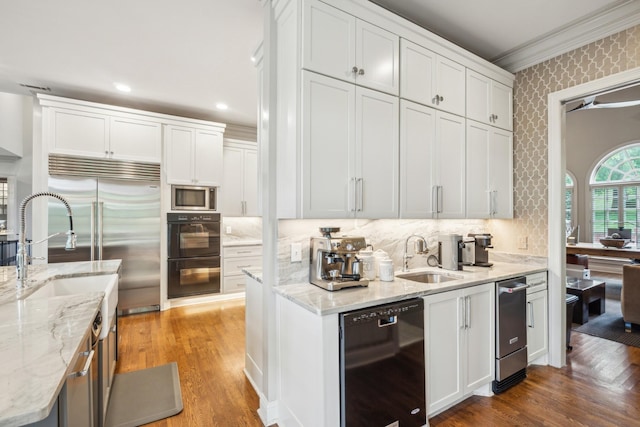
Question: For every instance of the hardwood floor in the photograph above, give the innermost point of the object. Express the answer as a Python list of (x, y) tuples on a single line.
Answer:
[(600, 386), (207, 342)]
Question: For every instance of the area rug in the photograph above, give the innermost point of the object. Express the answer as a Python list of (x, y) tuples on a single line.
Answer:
[(144, 396), (610, 325)]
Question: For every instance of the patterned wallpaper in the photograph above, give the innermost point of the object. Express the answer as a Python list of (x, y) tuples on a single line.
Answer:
[(611, 55)]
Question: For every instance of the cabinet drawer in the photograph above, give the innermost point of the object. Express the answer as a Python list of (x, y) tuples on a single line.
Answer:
[(242, 251), (234, 283), (536, 282), (234, 266)]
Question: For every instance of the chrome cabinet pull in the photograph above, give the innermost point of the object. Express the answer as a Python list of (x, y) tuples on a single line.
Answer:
[(361, 194), (531, 323), (463, 313), (467, 316), (87, 365), (354, 182), (440, 199), (354, 70), (361, 72)]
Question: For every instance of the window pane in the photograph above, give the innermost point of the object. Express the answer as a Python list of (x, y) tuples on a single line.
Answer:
[(631, 210), (604, 211)]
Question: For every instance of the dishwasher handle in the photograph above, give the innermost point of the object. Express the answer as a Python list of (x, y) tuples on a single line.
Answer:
[(516, 287), (388, 321)]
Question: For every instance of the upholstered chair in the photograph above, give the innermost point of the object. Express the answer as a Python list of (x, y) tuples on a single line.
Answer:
[(630, 298)]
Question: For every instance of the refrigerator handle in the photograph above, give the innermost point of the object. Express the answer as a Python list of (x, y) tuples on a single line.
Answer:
[(93, 231), (100, 228)]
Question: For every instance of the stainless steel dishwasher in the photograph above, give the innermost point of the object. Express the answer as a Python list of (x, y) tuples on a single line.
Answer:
[(382, 366), (511, 333)]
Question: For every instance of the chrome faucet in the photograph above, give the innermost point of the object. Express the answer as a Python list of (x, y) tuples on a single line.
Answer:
[(419, 248), (22, 259)]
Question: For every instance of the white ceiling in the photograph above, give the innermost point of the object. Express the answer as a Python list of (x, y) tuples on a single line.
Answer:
[(184, 57)]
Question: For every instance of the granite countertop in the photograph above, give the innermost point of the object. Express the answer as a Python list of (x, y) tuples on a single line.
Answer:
[(254, 274), (39, 338), (322, 302)]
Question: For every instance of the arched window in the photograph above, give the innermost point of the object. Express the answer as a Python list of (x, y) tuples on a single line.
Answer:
[(615, 186)]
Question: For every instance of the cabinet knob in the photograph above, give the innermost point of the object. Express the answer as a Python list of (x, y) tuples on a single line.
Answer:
[(354, 70), (361, 72)]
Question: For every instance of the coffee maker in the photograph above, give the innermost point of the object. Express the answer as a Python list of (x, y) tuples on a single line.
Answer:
[(450, 251), (483, 242), (334, 263)]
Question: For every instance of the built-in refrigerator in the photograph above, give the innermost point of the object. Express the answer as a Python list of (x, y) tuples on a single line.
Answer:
[(113, 219)]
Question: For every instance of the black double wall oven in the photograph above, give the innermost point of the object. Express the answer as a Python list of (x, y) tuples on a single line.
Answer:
[(193, 254)]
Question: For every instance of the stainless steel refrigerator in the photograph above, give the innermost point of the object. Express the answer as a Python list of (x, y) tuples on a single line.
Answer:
[(113, 219)]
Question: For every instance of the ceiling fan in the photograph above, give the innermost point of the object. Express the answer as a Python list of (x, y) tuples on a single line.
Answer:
[(590, 102)]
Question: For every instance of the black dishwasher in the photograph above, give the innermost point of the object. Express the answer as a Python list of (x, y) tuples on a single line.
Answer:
[(382, 375)]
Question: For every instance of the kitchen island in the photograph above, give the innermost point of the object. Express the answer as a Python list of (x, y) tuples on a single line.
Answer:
[(308, 329), (40, 337)]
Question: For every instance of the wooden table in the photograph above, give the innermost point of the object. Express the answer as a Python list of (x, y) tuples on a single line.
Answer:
[(596, 249), (591, 295)]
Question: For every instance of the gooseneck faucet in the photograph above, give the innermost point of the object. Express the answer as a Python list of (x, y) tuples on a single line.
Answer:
[(419, 248), (22, 259)]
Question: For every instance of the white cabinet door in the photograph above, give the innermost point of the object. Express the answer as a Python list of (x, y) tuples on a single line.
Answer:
[(443, 328), (501, 173), (179, 152), (233, 182), (328, 140), (460, 343), (537, 325), (449, 85), (489, 172), (480, 339), (207, 158), (417, 68), (133, 139), (79, 133), (502, 105), (329, 41), (376, 154), (489, 101), (449, 185), (417, 151), (337, 44), (377, 58), (251, 202)]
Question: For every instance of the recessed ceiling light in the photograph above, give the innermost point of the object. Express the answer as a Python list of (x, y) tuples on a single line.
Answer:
[(122, 87), (222, 106)]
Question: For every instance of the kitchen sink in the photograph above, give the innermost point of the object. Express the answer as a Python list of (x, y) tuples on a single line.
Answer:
[(427, 277), (107, 283)]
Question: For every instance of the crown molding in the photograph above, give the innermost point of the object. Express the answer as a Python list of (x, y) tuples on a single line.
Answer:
[(595, 27)]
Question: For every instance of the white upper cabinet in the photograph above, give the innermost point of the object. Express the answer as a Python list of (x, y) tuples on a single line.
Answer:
[(239, 193), (89, 133), (193, 156), (489, 171), (350, 150), (432, 163), (431, 79), (489, 101), (339, 45)]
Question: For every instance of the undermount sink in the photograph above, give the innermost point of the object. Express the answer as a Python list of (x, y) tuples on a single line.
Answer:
[(427, 277), (107, 283)]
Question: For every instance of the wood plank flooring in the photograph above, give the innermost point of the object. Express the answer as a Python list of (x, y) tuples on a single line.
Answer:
[(600, 386)]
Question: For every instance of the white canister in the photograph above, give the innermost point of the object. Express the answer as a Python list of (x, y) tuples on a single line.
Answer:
[(368, 266), (377, 256), (386, 270)]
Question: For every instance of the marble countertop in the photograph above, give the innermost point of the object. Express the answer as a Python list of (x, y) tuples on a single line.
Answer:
[(254, 274), (39, 338), (322, 302)]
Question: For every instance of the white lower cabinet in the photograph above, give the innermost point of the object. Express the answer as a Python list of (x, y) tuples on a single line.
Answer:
[(459, 341), (235, 259), (537, 317)]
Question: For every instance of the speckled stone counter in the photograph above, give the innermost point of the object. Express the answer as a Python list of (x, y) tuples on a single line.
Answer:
[(40, 337), (322, 302)]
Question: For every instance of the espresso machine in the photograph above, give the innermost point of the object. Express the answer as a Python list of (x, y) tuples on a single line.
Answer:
[(334, 263), (483, 242)]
